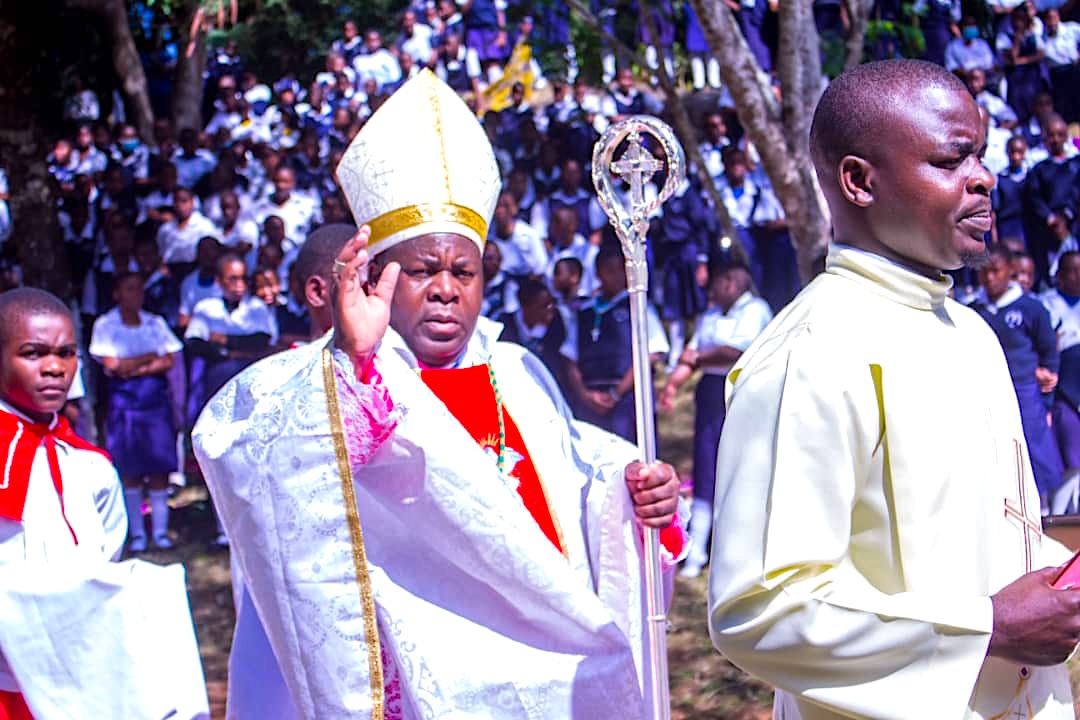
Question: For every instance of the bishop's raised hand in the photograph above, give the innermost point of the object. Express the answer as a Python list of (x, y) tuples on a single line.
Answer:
[(361, 311)]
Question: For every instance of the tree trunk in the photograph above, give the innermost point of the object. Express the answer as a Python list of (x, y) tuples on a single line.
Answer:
[(683, 126), (35, 238), (859, 13), (126, 61), (778, 129), (188, 87)]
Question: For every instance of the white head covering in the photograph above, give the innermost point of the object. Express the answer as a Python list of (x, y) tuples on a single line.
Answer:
[(422, 164)]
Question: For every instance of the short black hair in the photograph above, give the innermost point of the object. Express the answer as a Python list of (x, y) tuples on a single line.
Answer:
[(722, 265), (573, 262), (529, 289), (317, 254), (228, 258), (999, 251), (609, 254), (21, 303), (860, 103)]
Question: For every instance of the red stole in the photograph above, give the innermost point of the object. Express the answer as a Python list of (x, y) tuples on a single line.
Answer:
[(13, 707), (470, 398), (19, 441)]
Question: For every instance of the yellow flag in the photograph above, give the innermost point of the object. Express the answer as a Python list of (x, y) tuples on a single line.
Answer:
[(518, 69)]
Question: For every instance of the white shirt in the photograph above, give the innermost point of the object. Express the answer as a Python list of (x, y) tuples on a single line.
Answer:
[(1061, 49), (380, 65), (189, 170), (251, 316), (999, 109), (298, 213), (419, 45), (244, 231), (996, 158), (657, 343), (756, 206), (737, 328), (192, 292), (180, 244), (111, 338), (1066, 319), (586, 253), (523, 253)]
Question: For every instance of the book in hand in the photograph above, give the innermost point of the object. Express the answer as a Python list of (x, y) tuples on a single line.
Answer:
[(1069, 577)]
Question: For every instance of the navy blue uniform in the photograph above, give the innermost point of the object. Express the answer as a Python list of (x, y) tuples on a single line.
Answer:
[(683, 234), (1027, 336), (605, 347), (1008, 198), (545, 347)]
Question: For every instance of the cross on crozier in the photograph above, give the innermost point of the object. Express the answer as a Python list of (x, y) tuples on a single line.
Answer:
[(636, 166)]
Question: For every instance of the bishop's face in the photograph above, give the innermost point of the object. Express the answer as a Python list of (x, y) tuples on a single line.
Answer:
[(438, 296)]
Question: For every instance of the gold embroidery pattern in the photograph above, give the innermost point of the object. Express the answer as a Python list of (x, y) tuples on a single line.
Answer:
[(356, 537), (436, 108), (1027, 525), (409, 216)]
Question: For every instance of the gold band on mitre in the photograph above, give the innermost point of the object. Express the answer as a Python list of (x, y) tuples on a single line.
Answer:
[(410, 216)]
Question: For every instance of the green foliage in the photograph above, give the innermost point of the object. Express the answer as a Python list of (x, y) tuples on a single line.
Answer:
[(294, 35)]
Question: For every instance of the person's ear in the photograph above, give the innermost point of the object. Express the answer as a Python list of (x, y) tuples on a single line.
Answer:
[(316, 291), (856, 176)]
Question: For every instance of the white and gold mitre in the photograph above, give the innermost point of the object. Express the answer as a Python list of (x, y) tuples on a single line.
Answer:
[(422, 164)]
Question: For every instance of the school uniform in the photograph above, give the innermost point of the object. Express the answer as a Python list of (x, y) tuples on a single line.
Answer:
[(736, 328), (194, 288), (1027, 336), (190, 169), (1051, 189), (161, 296), (604, 354), (212, 315), (292, 319), (178, 243), (500, 296), (545, 341), (1024, 81), (579, 201), (97, 296), (1008, 200), (770, 254), (139, 431), (935, 17), (299, 214), (585, 253), (523, 251), (1065, 317), (681, 244)]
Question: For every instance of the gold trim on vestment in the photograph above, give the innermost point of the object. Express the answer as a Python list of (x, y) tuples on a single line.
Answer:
[(409, 216), (356, 536)]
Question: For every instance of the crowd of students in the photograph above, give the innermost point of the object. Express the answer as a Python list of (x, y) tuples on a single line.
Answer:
[(184, 250)]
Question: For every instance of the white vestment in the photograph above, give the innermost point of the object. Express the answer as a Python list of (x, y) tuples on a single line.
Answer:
[(478, 612), (873, 490), (82, 637)]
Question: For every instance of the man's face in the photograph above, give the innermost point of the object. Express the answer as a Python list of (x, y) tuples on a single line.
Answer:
[(491, 261), (505, 210), (995, 277), (184, 204), (571, 176), (438, 295), (284, 182), (1017, 153), (274, 229), (146, 255), (349, 30), (206, 256), (85, 138), (540, 310), (1057, 134), (1053, 21), (566, 278), (735, 168), (230, 208), (1068, 276), (372, 41), (1023, 272), (716, 128), (408, 21), (563, 226), (728, 286), (129, 293), (931, 202), (625, 80), (232, 277), (39, 363), (976, 81)]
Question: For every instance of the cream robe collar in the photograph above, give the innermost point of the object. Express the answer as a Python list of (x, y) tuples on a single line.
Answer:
[(888, 278)]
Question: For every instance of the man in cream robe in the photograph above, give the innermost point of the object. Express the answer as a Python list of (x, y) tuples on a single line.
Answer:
[(873, 486), (386, 552)]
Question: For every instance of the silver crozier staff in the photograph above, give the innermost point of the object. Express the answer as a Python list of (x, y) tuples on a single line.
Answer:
[(636, 166)]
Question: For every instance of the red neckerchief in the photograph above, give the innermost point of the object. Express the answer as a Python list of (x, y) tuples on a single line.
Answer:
[(19, 441)]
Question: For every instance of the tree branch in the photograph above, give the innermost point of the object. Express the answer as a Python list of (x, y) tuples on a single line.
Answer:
[(859, 14)]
